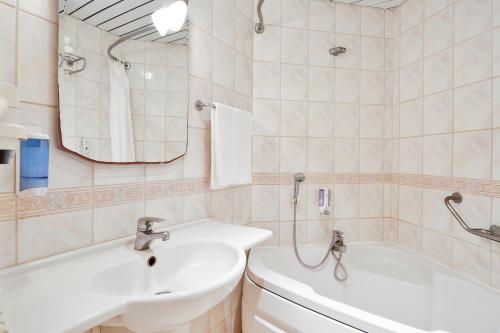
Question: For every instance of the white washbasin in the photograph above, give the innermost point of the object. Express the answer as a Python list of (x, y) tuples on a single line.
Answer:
[(112, 283), (186, 281)]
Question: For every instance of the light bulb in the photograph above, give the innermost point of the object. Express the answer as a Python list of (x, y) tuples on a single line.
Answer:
[(171, 18)]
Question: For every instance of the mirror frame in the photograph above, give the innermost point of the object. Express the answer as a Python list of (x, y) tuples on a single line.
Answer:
[(88, 159)]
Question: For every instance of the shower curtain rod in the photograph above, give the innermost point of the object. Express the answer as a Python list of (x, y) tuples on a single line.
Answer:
[(123, 39)]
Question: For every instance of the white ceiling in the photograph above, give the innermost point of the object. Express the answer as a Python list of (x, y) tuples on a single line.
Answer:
[(374, 3), (121, 17)]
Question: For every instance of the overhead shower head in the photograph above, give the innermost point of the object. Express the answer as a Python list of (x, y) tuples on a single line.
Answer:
[(335, 51)]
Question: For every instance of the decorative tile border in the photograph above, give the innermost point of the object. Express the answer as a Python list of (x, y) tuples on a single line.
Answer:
[(59, 201), (437, 182), (7, 206), (409, 180), (495, 189), (117, 194), (322, 178), (56, 201), (174, 188), (471, 186)]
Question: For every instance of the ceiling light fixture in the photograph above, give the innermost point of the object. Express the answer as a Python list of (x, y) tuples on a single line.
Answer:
[(171, 18)]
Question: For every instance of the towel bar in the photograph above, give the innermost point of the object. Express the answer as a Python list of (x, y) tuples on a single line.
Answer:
[(200, 106), (492, 234)]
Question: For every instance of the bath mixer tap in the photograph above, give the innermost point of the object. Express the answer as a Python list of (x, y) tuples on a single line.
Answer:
[(338, 241), (145, 235)]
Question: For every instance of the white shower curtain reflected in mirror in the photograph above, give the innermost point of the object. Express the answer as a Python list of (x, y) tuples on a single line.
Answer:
[(120, 115)]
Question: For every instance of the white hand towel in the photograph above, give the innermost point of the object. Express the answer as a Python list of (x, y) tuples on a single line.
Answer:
[(231, 147), (120, 115)]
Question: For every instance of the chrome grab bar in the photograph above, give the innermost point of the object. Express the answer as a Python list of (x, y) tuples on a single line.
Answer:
[(492, 234)]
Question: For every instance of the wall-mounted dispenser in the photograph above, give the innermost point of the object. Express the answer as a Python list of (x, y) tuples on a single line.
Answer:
[(10, 133), (324, 201), (34, 166)]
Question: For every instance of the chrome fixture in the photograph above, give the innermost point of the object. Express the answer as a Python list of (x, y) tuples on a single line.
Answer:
[(336, 245), (145, 235), (492, 234), (125, 38), (259, 27), (298, 178), (71, 60), (200, 106), (338, 50)]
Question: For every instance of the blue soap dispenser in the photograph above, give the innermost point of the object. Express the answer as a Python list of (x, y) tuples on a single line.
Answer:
[(34, 165)]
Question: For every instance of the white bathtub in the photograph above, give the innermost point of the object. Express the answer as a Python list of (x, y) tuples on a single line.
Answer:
[(388, 290)]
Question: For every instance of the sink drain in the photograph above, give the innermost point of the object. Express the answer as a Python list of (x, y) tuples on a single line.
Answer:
[(164, 292), (151, 261)]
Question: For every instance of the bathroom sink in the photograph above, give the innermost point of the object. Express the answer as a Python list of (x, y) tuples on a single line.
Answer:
[(112, 284), (169, 286)]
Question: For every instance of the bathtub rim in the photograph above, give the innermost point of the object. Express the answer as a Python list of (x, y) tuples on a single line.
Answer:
[(304, 295)]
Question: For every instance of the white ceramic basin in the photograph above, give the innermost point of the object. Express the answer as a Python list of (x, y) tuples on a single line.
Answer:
[(113, 284), (186, 281)]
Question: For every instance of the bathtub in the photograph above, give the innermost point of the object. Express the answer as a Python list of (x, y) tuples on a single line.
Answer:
[(389, 290)]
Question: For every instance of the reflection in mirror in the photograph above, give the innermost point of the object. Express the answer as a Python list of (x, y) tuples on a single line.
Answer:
[(123, 86)]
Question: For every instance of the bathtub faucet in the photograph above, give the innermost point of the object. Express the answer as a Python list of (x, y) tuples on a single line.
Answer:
[(338, 248), (338, 241)]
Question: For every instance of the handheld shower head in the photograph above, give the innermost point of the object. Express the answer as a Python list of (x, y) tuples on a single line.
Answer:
[(298, 178)]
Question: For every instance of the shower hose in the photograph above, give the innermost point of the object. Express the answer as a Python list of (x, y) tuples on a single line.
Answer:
[(339, 272)]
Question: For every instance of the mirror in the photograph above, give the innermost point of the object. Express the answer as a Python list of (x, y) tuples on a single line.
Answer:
[(123, 87)]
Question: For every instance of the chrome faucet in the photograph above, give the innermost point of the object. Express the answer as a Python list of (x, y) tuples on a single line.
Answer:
[(338, 241), (145, 235)]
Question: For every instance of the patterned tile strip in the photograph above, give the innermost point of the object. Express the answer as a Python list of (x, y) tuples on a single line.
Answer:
[(174, 188), (56, 201), (322, 178), (116, 194), (7, 206)]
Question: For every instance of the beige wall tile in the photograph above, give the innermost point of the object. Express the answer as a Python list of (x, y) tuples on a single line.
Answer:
[(410, 204), (437, 155), (472, 17), (348, 19), (265, 154), (438, 113), (8, 243), (48, 235), (37, 48), (293, 154), (472, 107), (472, 155), (437, 246), (372, 22), (438, 72), (412, 13), (410, 236), (8, 40), (465, 253), (472, 60)]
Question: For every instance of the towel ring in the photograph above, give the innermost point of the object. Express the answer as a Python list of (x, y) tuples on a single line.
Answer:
[(200, 106)]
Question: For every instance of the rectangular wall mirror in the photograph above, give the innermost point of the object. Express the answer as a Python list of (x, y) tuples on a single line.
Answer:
[(123, 86)]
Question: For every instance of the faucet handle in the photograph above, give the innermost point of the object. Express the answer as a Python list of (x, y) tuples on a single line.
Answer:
[(337, 235), (146, 223)]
